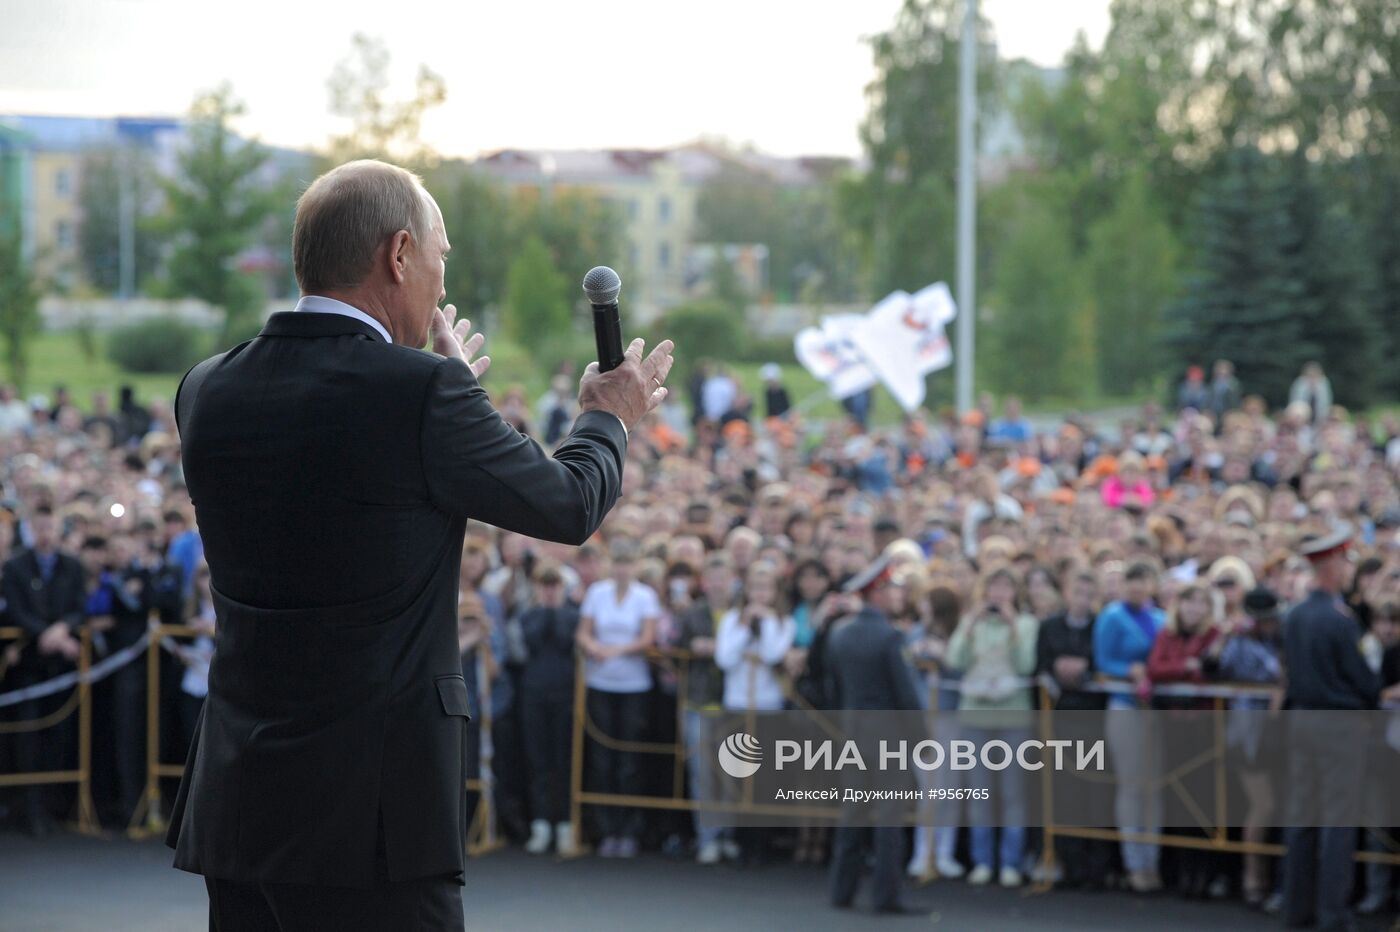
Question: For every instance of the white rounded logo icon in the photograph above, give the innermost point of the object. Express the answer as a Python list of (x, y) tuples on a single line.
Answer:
[(740, 755)]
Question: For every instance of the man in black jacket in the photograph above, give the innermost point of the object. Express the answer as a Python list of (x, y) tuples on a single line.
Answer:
[(1324, 671), (1064, 650), (43, 592), (333, 466), (870, 671)]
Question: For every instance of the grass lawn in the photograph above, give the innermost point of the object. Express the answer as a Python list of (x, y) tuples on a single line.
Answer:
[(58, 359)]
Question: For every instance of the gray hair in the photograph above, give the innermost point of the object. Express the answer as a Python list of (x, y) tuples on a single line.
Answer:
[(346, 214)]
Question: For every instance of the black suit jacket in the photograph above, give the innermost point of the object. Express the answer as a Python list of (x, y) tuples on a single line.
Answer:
[(33, 604), (332, 476)]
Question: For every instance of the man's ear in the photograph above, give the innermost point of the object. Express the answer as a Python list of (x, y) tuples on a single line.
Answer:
[(400, 244)]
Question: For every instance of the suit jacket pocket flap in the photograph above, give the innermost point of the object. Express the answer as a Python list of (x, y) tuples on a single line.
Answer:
[(452, 690)]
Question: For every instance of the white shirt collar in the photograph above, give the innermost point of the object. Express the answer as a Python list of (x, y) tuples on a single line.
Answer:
[(320, 304)]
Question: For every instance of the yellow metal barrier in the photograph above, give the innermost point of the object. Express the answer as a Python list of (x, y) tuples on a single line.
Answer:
[(85, 819), (1218, 839), (147, 820), (481, 835)]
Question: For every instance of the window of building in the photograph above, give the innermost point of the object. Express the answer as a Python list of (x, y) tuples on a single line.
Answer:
[(62, 182), (663, 210), (63, 234), (663, 255), (632, 254)]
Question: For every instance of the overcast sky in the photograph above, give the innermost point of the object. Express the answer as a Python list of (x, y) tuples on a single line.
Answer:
[(785, 75)]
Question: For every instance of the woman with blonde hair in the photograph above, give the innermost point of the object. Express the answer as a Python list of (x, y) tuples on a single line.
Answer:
[(1231, 577), (617, 625)]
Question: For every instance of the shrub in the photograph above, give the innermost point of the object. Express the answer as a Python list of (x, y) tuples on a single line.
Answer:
[(703, 330), (157, 345)]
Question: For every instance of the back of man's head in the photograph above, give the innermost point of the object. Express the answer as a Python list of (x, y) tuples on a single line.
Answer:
[(346, 215)]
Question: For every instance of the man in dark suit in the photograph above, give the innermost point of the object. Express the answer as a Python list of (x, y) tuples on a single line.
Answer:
[(1327, 753), (43, 593), (869, 670), (333, 466)]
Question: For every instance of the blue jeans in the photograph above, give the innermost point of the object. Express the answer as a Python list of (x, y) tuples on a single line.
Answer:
[(698, 762), (1005, 788), (1134, 746)]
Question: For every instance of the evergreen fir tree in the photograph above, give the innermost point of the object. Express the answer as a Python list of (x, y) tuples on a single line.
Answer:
[(1243, 300), (1335, 272)]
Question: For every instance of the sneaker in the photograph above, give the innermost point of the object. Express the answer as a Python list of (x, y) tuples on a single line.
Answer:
[(980, 876), (918, 867), (709, 853), (608, 849), (539, 837), (1009, 877), (627, 848), (564, 840), (950, 868), (730, 848), (1274, 904)]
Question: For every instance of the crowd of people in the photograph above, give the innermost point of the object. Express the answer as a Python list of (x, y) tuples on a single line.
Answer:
[(1160, 549)]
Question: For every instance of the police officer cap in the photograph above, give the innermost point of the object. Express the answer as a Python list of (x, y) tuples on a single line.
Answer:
[(1317, 546), (870, 577)]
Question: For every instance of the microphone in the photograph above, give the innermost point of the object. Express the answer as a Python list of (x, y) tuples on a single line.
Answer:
[(602, 286)]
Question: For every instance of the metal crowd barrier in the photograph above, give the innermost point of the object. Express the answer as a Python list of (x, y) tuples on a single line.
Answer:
[(1218, 839), (85, 820), (482, 837)]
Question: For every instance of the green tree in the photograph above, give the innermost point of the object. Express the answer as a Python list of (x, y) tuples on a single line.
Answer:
[(902, 209), (215, 206), (100, 197), (1243, 300), (798, 223), (725, 286), (380, 128), (1132, 279), (1038, 342), (1335, 272), (535, 308), (580, 229), (19, 307), (476, 212), (707, 329), (1378, 204)]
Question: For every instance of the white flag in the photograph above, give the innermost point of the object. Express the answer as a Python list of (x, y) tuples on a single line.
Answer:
[(827, 353), (902, 340), (935, 304)]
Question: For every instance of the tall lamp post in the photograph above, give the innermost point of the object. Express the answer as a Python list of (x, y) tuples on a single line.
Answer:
[(967, 205)]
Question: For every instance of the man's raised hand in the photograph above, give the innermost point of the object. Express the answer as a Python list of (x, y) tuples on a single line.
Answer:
[(633, 389), (453, 338)]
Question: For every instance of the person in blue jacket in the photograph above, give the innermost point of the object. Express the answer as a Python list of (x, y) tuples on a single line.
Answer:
[(1123, 638)]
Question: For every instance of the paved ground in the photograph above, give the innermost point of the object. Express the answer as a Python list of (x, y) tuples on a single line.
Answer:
[(69, 883)]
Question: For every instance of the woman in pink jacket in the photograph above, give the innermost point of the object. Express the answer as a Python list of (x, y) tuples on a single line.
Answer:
[(1130, 486)]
